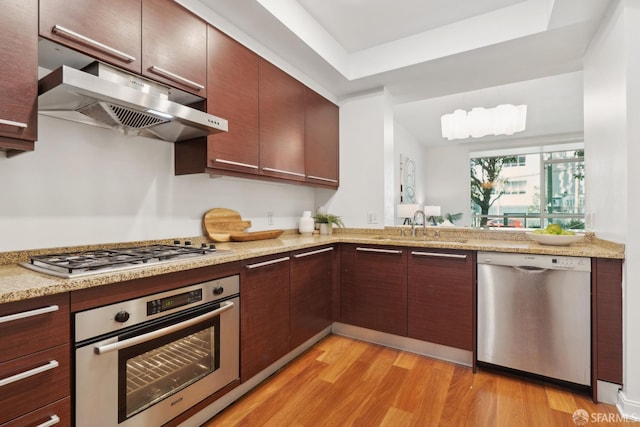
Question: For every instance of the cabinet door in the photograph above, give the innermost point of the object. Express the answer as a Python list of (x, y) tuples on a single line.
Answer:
[(19, 71), (607, 280), (110, 31), (174, 46), (310, 293), (441, 297), (233, 94), (264, 313), (321, 124), (374, 288), (281, 124)]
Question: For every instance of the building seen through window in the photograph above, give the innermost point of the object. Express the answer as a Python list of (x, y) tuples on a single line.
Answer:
[(530, 188)]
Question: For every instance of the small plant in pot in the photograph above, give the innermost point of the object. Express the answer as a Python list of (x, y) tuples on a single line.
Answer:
[(327, 221)]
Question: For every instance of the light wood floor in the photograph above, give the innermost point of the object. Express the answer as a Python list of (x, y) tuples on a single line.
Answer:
[(344, 382)]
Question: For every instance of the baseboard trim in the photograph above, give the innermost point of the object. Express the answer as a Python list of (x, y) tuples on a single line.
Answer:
[(437, 351), (628, 408)]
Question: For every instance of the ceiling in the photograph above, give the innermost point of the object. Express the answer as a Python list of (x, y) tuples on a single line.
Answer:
[(432, 56)]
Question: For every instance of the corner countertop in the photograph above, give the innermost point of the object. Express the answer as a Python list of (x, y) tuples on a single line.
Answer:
[(18, 283)]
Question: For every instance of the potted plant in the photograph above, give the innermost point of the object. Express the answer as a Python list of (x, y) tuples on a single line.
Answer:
[(327, 221)]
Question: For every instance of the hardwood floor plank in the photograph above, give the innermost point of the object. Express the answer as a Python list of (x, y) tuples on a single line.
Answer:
[(342, 382)]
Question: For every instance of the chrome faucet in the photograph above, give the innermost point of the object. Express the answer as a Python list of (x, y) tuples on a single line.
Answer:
[(424, 223)]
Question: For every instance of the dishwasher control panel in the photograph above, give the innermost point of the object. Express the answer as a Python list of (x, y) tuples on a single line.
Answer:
[(551, 262)]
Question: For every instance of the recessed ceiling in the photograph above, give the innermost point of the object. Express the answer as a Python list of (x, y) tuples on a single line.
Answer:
[(426, 53), (361, 24)]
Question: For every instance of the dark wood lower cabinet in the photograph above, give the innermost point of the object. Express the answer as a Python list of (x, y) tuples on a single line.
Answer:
[(311, 293), (441, 297), (59, 410), (607, 316), (374, 288), (264, 313)]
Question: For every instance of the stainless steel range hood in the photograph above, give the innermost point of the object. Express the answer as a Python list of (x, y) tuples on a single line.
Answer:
[(103, 96)]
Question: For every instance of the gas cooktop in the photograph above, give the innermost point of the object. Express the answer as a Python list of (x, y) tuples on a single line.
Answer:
[(77, 264)]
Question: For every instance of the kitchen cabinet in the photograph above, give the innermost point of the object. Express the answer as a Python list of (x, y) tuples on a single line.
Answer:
[(233, 94), (607, 316), (441, 302), (311, 288), (282, 123), (158, 39), (174, 46), (321, 150), (108, 31), (19, 71), (264, 313), (35, 360), (374, 288)]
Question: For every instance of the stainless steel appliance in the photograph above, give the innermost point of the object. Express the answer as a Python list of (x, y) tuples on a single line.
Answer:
[(534, 314), (142, 362), (104, 96), (78, 264)]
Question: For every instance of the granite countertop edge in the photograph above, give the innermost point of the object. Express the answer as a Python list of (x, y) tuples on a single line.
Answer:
[(18, 283)]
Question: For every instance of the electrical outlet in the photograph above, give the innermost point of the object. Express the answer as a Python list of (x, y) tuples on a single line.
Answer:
[(270, 218), (372, 218)]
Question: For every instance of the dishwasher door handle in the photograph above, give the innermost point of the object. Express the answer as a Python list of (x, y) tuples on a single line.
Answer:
[(530, 270)]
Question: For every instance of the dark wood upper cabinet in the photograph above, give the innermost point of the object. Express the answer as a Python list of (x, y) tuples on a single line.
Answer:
[(321, 127), (19, 71), (374, 288), (174, 46), (441, 297), (110, 31), (233, 94), (281, 124)]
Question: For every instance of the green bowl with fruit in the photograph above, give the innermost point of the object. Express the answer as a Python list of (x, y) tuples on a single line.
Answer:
[(555, 235)]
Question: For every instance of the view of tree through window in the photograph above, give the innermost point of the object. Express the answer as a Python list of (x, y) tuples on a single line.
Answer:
[(528, 190)]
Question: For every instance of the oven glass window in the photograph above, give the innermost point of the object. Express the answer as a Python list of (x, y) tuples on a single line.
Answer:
[(155, 370)]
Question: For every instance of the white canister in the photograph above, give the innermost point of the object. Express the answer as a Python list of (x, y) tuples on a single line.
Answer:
[(306, 224)]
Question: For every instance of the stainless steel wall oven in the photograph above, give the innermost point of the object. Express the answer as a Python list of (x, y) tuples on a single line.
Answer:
[(142, 362)]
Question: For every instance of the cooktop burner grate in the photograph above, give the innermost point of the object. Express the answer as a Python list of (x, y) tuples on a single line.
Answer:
[(100, 259)]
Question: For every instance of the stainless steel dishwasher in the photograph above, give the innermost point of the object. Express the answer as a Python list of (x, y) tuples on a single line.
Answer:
[(534, 314)]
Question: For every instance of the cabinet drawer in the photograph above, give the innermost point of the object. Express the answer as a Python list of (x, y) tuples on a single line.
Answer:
[(35, 331), (45, 380), (57, 414)]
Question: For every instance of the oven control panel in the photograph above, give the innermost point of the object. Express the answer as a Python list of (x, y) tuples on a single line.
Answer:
[(159, 305)]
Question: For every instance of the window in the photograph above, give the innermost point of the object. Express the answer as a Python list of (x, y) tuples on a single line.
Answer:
[(531, 187)]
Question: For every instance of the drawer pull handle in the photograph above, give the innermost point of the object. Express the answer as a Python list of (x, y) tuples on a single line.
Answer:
[(31, 313), (51, 422), (319, 251), (380, 251), (283, 171), (31, 372), (440, 255), (263, 264), (319, 178), (229, 162), (12, 123), (65, 32), (176, 78)]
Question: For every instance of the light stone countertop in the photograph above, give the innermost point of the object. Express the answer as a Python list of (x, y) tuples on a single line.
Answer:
[(18, 283)]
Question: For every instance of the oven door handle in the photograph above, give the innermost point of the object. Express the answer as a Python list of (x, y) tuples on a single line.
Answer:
[(102, 349)]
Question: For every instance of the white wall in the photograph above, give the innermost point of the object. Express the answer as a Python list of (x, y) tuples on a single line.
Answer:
[(362, 161), (87, 185), (612, 132)]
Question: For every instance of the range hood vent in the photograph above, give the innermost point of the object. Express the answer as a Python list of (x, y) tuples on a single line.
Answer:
[(103, 96)]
